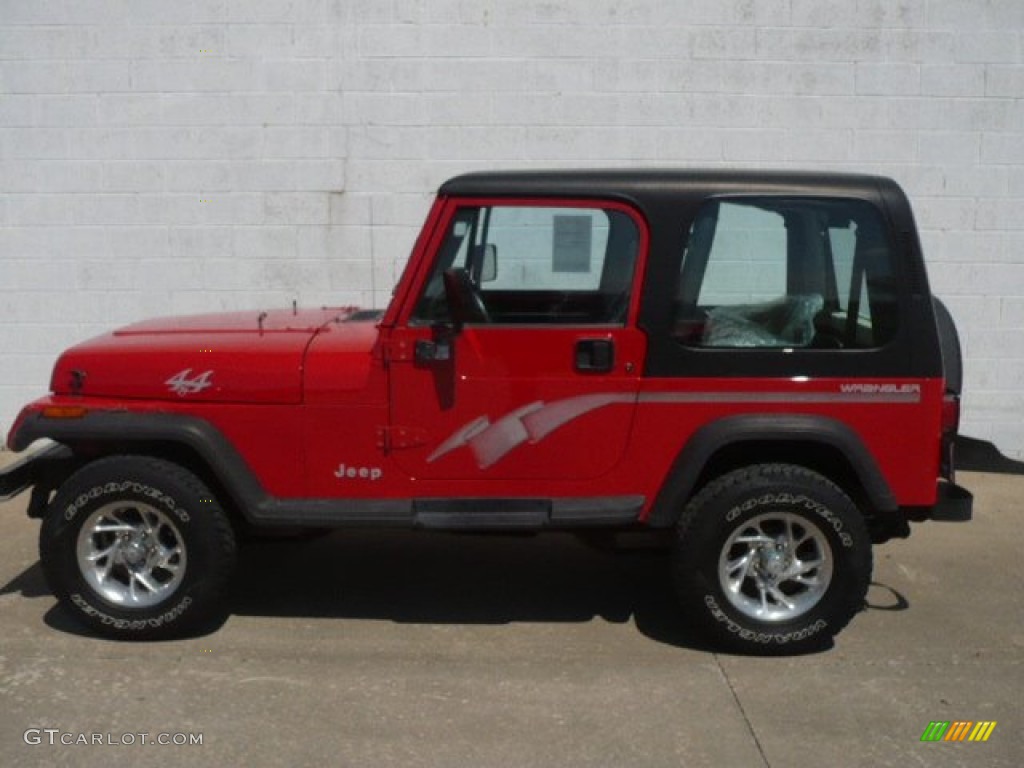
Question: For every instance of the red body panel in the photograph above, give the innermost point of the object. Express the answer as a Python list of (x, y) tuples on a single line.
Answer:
[(672, 410), (268, 437), (345, 408), (247, 359), (323, 407), (510, 405), (513, 407), (296, 451)]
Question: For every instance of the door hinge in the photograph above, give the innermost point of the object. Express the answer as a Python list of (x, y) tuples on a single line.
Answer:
[(395, 438)]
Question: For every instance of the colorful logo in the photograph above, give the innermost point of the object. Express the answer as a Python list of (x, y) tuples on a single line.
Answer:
[(958, 730)]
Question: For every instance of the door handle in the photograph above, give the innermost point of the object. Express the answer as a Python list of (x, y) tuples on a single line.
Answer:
[(595, 355)]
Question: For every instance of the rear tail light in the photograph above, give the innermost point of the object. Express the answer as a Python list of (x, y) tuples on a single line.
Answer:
[(950, 425), (950, 412)]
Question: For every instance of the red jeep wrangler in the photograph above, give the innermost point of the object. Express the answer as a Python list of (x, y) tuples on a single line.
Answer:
[(750, 360)]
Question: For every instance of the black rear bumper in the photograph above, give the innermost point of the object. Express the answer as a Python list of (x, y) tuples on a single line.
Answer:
[(955, 504)]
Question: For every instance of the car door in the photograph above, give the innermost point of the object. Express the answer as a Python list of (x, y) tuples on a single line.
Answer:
[(517, 357)]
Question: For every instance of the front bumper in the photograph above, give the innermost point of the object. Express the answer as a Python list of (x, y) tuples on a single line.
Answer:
[(39, 470)]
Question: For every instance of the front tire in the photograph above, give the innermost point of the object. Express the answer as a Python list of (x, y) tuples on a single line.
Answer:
[(771, 559), (137, 548)]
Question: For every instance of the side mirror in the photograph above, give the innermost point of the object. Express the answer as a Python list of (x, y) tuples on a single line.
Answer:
[(486, 259), (483, 263)]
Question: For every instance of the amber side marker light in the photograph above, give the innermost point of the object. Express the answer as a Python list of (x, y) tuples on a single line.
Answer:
[(64, 411)]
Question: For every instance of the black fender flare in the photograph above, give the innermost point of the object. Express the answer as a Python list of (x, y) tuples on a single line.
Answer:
[(124, 428), (686, 470)]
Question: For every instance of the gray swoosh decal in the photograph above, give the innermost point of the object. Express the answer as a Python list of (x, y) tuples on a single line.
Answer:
[(533, 422)]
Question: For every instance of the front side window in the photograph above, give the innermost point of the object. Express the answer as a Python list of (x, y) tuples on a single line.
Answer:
[(536, 265), (787, 273)]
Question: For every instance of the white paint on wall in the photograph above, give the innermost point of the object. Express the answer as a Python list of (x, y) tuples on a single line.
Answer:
[(159, 158)]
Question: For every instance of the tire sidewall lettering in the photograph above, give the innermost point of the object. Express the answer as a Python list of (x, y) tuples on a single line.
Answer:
[(764, 638), (790, 501), (120, 489), (154, 622)]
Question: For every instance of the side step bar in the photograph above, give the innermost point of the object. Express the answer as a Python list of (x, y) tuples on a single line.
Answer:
[(452, 514)]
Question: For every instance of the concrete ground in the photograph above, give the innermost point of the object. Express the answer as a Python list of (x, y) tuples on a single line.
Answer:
[(368, 649)]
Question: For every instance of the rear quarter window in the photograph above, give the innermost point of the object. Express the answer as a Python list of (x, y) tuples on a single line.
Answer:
[(786, 272)]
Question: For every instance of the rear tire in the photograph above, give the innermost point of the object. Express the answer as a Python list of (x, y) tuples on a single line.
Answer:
[(137, 548), (771, 559)]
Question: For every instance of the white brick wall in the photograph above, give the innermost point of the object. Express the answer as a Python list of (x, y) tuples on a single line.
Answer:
[(163, 157)]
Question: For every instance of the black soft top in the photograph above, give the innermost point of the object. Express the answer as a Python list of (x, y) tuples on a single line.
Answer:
[(660, 185), (670, 199)]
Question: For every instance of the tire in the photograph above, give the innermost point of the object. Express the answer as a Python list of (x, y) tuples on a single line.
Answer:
[(771, 559), (137, 548)]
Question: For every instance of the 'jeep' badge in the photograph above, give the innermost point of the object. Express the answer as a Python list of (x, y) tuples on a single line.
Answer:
[(181, 385)]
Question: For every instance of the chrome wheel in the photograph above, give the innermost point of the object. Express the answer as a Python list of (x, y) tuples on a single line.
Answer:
[(131, 554), (775, 567)]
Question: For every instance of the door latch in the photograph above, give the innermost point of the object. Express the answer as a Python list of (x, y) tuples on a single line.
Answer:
[(595, 355)]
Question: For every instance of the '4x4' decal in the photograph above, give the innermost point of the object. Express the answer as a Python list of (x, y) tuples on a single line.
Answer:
[(181, 385)]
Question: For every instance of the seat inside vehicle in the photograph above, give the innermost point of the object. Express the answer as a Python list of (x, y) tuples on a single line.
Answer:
[(784, 322)]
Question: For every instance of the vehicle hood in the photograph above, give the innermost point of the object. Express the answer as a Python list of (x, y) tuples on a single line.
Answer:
[(240, 357)]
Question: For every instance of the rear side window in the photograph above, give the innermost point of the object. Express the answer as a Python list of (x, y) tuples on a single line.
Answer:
[(769, 272)]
